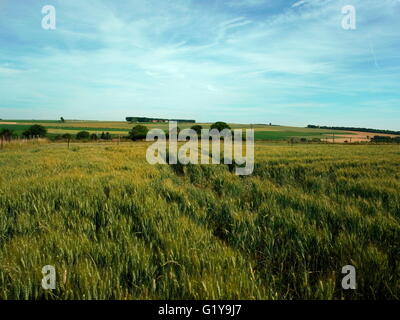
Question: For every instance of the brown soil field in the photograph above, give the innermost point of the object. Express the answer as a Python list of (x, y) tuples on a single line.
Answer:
[(357, 136)]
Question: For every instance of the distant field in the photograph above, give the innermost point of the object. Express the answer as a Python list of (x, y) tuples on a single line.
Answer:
[(262, 132), (17, 128), (284, 135)]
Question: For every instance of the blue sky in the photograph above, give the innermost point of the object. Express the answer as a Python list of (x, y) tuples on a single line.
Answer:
[(255, 61)]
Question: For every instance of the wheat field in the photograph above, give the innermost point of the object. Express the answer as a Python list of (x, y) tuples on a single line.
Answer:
[(116, 227)]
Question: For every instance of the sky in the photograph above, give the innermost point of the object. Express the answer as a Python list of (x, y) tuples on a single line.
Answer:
[(287, 62)]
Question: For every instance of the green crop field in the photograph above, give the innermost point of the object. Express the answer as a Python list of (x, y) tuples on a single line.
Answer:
[(116, 227), (285, 135)]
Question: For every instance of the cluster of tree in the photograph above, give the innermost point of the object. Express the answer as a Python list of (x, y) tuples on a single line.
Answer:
[(385, 139), (220, 126), (145, 119), (35, 131), (85, 135), (354, 129), (139, 132), (7, 134), (65, 136), (197, 128), (105, 136), (294, 140)]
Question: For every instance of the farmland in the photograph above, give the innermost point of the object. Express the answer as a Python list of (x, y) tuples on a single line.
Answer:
[(116, 227), (262, 132)]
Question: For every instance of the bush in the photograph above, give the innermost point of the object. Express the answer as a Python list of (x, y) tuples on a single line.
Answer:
[(6, 134), (220, 126), (105, 136), (35, 131), (93, 136), (138, 132), (178, 130), (66, 136), (385, 139), (293, 140), (197, 128), (82, 135)]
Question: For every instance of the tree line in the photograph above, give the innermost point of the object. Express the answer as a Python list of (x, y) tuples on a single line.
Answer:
[(311, 126), (385, 139), (138, 132)]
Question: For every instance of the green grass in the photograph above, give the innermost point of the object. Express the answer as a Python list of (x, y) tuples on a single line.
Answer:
[(116, 227), (18, 129)]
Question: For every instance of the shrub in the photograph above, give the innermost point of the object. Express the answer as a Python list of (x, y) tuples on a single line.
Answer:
[(197, 128), (293, 140), (385, 139), (6, 134), (35, 131), (220, 126), (138, 132), (93, 136), (105, 136), (178, 130), (82, 135)]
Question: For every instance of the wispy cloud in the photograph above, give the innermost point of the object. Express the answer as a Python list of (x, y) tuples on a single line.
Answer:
[(298, 3)]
